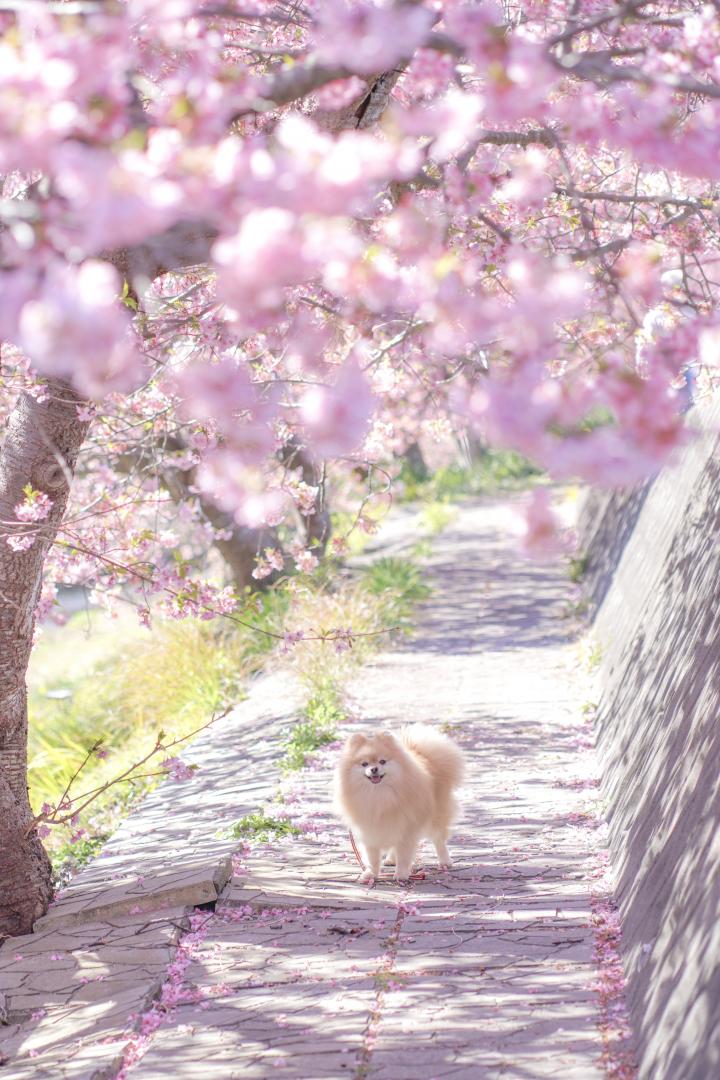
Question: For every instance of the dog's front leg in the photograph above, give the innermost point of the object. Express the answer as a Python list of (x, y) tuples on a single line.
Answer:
[(372, 870), (405, 856), (443, 855)]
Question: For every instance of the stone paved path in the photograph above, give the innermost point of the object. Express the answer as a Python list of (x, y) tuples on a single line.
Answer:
[(486, 971)]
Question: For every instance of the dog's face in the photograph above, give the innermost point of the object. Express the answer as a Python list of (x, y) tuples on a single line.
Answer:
[(372, 757)]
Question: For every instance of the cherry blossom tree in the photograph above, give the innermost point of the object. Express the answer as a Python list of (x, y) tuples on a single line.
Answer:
[(247, 248)]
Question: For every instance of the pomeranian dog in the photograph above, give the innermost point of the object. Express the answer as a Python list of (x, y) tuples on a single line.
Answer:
[(395, 790)]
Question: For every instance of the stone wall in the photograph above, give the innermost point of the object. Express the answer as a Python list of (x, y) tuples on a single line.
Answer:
[(654, 581)]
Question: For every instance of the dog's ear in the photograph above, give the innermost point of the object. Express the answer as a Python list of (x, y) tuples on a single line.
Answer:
[(386, 736), (355, 739)]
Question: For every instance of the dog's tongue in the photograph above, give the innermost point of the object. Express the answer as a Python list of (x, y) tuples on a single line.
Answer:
[(375, 779)]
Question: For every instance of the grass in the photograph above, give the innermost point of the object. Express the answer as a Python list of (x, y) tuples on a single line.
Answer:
[(344, 524), (591, 653), (578, 568), (495, 470), (576, 609), (85, 689), (69, 858), (121, 685), (594, 657), (399, 585), (421, 549), (262, 828), (381, 599), (323, 714), (436, 516)]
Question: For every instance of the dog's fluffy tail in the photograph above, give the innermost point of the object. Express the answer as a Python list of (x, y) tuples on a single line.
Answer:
[(443, 757)]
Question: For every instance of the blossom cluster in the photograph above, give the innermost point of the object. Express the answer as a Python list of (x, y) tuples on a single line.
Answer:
[(272, 257)]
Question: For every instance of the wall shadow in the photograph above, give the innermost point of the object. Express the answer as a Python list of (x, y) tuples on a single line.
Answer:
[(659, 739)]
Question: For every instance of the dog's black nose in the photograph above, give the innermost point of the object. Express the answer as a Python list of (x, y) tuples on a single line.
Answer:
[(374, 770)]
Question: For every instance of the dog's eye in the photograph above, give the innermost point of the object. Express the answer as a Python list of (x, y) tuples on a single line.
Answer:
[(365, 764), (382, 761)]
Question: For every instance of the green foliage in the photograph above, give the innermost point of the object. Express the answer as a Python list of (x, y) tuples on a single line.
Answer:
[(267, 611), (495, 470), (325, 709), (594, 656), (345, 524), (342, 525), (173, 681), (261, 828), (398, 582), (576, 609), (69, 857), (322, 714), (598, 417), (421, 550), (133, 685), (411, 477), (577, 568), (436, 516), (399, 574)]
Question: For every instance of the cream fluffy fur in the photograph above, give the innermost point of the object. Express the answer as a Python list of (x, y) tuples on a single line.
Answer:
[(395, 790)]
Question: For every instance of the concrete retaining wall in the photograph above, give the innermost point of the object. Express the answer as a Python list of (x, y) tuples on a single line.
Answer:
[(654, 579)]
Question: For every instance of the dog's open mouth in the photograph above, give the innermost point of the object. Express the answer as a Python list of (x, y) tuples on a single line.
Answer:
[(375, 779)]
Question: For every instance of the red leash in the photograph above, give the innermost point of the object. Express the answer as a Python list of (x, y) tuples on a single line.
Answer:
[(358, 856), (417, 875)]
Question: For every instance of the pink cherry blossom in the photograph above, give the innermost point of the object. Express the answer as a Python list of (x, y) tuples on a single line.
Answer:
[(219, 392), (341, 93), (35, 507), (177, 769), (20, 542), (109, 199), (335, 418), (451, 120), (369, 37), (272, 561), (543, 535), (201, 217), (256, 266), (76, 328)]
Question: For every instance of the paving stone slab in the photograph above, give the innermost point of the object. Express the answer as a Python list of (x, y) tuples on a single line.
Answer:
[(71, 989), (482, 971), (198, 882), (305, 945), (88, 961), (308, 1031), (77, 1041), (482, 1024)]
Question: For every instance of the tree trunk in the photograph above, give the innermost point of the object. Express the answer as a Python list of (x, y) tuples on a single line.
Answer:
[(317, 526), (477, 449), (416, 461), (243, 542), (40, 448)]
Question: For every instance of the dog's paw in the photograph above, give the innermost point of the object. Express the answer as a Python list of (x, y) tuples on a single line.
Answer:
[(445, 865), (367, 878)]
